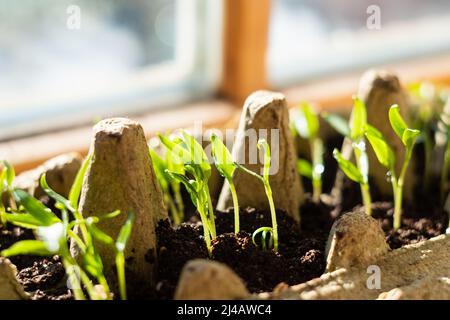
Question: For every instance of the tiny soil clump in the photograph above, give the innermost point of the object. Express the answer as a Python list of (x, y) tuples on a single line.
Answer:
[(298, 259)]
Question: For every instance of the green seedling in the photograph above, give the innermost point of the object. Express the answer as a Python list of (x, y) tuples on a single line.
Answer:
[(446, 167), (53, 235), (386, 156), (175, 184), (266, 237), (307, 126), (445, 130), (189, 153), (355, 132), (427, 102), (262, 143), (408, 137), (337, 122), (169, 185), (7, 175), (226, 167)]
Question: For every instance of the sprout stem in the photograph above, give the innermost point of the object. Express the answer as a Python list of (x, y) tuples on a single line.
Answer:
[(175, 214), (235, 206), (398, 206), (120, 266), (102, 281), (360, 154), (268, 190), (74, 280), (274, 216), (206, 225), (316, 147), (428, 145), (398, 195), (210, 213), (178, 201), (367, 200), (445, 171), (317, 190)]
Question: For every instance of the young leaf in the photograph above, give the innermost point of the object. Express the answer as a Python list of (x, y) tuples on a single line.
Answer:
[(2, 186), (350, 170), (27, 247), (197, 153), (160, 170), (24, 220), (307, 122), (99, 235), (173, 166), (262, 143), (186, 182), (125, 233), (109, 215), (383, 151), (121, 243), (51, 193), (177, 152), (409, 137), (338, 123), (396, 120), (35, 208), (304, 167), (194, 148), (222, 158), (10, 173), (358, 119), (75, 190), (93, 262)]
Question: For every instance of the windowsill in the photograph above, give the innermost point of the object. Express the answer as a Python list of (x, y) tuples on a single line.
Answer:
[(332, 93), (26, 153)]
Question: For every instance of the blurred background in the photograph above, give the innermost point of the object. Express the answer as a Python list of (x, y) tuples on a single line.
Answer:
[(69, 63)]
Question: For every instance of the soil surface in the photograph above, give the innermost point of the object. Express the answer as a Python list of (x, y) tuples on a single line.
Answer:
[(300, 256), (42, 277), (416, 226)]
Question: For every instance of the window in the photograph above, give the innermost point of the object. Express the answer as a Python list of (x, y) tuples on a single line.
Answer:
[(310, 38), (66, 62)]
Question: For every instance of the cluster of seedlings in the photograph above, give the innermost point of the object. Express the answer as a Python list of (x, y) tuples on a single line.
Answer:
[(55, 230), (183, 165), (357, 131), (194, 171), (429, 124)]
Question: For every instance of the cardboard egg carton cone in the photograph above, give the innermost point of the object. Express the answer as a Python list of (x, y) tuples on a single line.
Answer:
[(121, 177), (265, 115)]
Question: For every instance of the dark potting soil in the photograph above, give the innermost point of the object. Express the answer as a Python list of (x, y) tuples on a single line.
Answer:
[(300, 256), (42, 277), (415, 226)]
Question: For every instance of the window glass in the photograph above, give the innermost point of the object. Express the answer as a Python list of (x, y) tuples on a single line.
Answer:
[(65, 62), (310, 38)]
